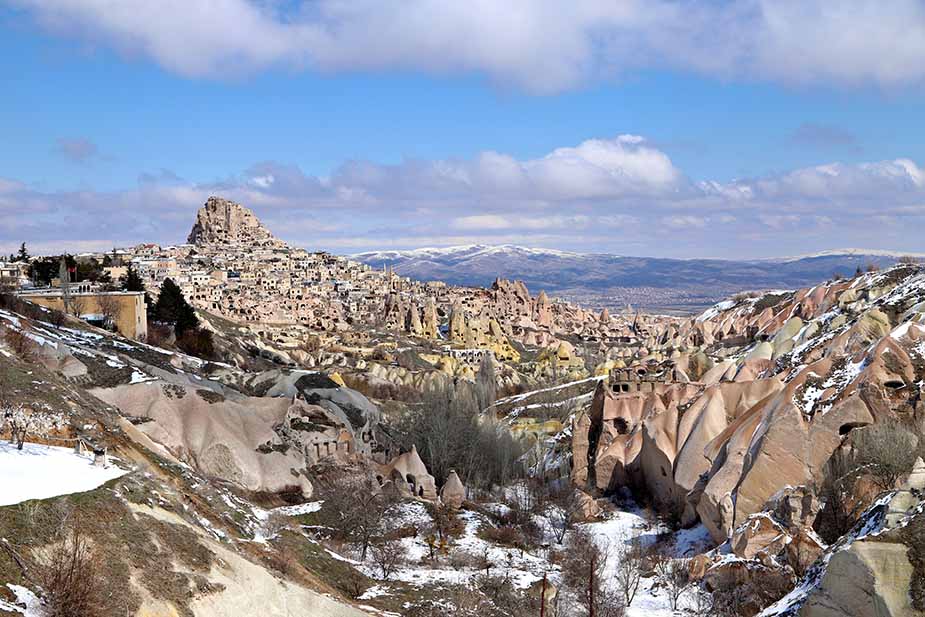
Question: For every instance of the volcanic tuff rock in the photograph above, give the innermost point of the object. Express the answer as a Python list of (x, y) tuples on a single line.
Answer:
[(870, 571), (222, 221), (794, 373), (453, 493)]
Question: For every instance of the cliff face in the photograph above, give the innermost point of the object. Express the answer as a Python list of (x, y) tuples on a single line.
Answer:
[(808, 368), (222, 221)]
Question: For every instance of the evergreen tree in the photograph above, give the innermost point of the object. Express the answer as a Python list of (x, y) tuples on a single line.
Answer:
[(23, 253), (132, 280), (172, 308)]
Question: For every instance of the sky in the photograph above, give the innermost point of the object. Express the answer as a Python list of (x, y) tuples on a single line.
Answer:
[(720, 128)]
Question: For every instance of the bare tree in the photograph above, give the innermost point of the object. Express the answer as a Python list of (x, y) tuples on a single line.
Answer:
[(358, 510), (21, 421), (702, 603), (674, 576), (69, 574), (450, 434), (835, 490), (887, 451), (629, 556), (77, 305), (110, 309), (486, 383), (388, 554), (583, 568), (563, 510)]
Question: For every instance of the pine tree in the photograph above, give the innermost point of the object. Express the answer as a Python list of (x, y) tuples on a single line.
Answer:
[(23, 253), (132, 280), (172, 308)]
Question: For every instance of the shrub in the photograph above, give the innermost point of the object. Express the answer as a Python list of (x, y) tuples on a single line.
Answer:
[(506, 536), (886, 451), (734, 597), (158, 335), (69, 574), (19, 342), (197, 342)]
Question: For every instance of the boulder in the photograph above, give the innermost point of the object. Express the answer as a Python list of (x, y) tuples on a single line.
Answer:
[(868, 579), (453, 492), (588, 509), (794, 507), (759, 534)]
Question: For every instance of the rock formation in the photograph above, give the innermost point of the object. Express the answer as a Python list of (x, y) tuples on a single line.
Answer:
[(813, 365), (222, 221), (453, 493), (409, 476)]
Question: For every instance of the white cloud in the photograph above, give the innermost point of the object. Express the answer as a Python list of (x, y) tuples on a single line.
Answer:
[(263, 182), (684, 221), (482, 222), (546, 46), (608, 195)]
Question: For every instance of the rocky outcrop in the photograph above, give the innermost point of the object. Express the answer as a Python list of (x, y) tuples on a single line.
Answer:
[(453, 493), (869, 579), (261, 443), (869, 572), (222, 221), (409, 476)]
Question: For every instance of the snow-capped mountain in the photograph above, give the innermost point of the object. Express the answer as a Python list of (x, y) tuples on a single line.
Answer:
[(464, 251), (615, 280)]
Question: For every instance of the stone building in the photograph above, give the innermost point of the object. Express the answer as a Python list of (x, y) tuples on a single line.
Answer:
[(126, 308), (644, 377)]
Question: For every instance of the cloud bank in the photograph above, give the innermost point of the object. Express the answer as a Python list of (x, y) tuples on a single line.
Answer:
[(620, 195), (541, 47)]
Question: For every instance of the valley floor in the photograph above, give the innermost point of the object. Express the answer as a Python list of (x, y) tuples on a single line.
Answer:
[(526, 568)]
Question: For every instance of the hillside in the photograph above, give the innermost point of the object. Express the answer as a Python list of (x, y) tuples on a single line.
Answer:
[(599, 280)]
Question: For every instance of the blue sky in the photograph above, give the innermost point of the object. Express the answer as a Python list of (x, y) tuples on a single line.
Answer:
[(351, 129)]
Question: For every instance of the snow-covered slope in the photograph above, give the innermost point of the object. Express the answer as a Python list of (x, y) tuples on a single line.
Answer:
[(40, 472)]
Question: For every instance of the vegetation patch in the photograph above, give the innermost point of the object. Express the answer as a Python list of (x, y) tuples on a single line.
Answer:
[(210, 396)]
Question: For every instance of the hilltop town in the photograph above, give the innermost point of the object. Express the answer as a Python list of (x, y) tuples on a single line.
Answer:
[(233, 268)]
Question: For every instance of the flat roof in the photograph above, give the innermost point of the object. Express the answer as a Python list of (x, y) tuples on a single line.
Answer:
[(58, 292)]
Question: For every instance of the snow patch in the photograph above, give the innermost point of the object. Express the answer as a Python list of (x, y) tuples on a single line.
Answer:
[(26, 603), (41, 472)]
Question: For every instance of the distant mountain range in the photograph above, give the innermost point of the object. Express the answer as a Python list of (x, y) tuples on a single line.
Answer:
[(652, 283)]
